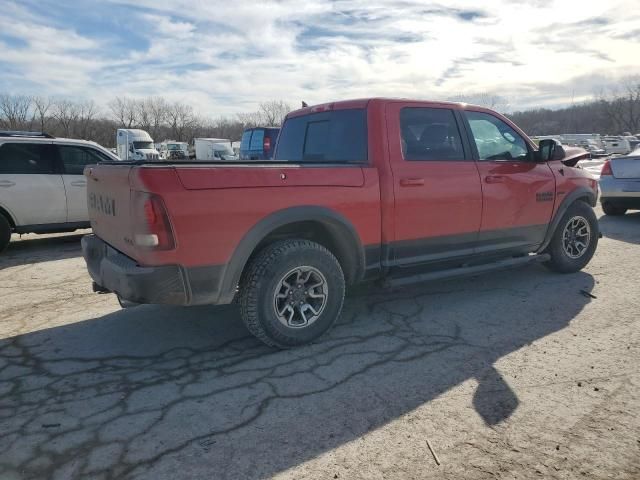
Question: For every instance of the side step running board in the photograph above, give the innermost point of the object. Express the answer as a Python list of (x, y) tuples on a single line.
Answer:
[(465, 271)]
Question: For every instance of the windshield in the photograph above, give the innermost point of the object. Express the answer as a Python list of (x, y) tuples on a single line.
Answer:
[(143, 145), (225, 153)]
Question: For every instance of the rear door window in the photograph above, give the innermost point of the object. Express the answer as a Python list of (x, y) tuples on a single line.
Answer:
[(338, 136), (257, 140), (430, 134), (26, 158)]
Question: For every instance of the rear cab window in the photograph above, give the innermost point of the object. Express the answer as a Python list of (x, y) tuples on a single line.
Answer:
[(337, 136)]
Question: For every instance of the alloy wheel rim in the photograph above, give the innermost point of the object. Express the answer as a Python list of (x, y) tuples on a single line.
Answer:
[(576, 237), (300, 297)]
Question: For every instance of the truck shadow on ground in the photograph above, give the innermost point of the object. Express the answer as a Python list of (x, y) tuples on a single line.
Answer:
[(155, 392), (625, 228), (40, 249)]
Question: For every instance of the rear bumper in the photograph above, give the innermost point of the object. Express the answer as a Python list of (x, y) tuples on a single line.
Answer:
[(166, 284), (624, 202)]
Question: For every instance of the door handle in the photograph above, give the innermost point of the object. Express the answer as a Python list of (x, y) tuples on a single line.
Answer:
[(411, 182), (494, 179), (7, 183), (79, 183)]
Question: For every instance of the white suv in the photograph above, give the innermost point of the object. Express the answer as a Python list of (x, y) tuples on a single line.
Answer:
[(42, 189)]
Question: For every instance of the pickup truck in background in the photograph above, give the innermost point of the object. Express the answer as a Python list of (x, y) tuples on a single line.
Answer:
[(395, 190)]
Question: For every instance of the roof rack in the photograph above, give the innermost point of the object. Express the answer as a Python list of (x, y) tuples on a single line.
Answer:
[(17, 133)]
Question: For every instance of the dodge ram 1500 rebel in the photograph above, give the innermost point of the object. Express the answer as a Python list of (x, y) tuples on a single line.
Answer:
[(395, 190)]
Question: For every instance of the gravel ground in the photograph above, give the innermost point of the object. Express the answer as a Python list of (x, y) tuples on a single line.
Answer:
[(510, 375)]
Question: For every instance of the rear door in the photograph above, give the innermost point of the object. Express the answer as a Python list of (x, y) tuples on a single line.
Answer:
[(31, 188), (518, 193), (74, 158), (438, 199)]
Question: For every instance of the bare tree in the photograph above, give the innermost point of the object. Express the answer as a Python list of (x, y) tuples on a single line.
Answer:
[(42, 106), (15, 110), (66, 114), (86, 113), (621, 105), (124, 111), (484, 99), (152, 114), (273, 112), (181, 119)]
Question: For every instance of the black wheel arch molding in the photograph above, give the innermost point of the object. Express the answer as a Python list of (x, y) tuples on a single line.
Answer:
[(579, 194), (346, 244)]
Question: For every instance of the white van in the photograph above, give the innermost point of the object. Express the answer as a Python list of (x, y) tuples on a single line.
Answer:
[(214, 150), (42, 186), (135, 144)]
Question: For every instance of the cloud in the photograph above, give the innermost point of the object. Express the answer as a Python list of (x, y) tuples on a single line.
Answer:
[(226, 57)]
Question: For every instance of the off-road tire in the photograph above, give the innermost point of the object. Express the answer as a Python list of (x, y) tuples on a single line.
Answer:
[(610, 209), (560, 260), (5, 232), (262, 278)]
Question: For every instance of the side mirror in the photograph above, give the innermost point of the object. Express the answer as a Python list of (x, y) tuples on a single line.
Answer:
[(131, 148), (549, 149)]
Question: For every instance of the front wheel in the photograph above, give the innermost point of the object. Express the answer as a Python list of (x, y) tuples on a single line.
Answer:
[(575, 240), (291, 293)]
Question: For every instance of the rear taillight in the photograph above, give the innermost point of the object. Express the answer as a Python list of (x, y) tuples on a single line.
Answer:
[(266, 144), (152, 228), (606, 169)]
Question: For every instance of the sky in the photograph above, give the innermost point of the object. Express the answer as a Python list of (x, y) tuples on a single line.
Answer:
[(224, 57)]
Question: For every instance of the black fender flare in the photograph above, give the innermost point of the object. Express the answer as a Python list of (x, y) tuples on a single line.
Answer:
[(342, 231), (574, 196)]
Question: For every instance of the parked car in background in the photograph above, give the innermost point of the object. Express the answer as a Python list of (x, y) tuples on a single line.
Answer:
[(258, 143), (135, 144), (214, 150), (398, 191), (620, 184), (172, 150), (42, 188), (594, 150), (616, 145)]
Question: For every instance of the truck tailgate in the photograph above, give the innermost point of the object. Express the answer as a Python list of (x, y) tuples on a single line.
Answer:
[(109, 197)]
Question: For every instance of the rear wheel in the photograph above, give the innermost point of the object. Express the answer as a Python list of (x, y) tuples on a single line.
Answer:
[(611, 209), (575, 240), (291, 293), (5, 232)]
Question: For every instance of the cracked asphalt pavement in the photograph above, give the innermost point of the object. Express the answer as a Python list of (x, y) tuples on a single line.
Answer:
[(517, 374)]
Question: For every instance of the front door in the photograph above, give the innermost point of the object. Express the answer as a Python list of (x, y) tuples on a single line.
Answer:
[(438, 200), (518, 193)]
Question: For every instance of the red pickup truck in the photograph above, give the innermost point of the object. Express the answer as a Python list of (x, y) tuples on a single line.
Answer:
[(395, 190)]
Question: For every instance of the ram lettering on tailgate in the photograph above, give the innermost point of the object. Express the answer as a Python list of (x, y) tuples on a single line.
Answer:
[(102, 204)]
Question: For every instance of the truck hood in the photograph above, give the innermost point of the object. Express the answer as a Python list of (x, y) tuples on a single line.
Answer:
[(572, 155)]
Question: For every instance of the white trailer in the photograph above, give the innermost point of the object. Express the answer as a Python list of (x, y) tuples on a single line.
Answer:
[(214, 150), (135, 144)]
